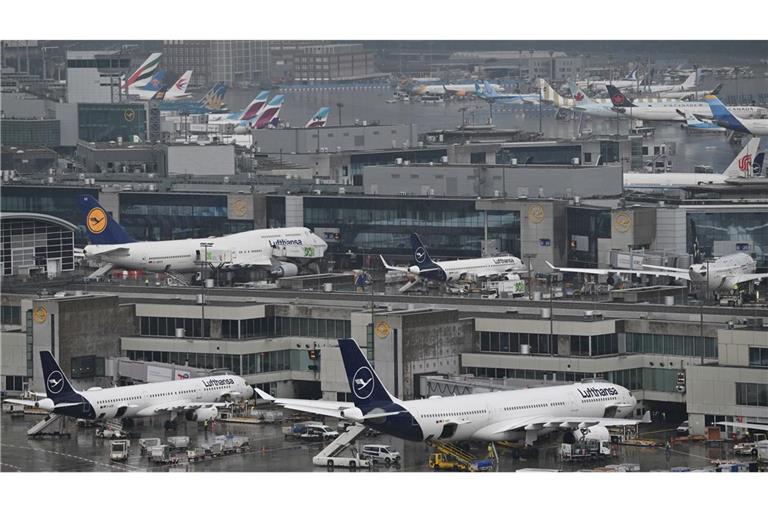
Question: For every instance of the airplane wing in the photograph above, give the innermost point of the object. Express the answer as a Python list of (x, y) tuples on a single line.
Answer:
[(753, 426), (390, 267), (180, 405), (114, 251), (660, 272), (322, 407), (561, 422), (745, 278)]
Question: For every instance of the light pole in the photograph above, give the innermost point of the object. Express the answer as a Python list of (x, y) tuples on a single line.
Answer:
[(529, 258), (551, 315), (701, 314), (203, 263), (339, 106)]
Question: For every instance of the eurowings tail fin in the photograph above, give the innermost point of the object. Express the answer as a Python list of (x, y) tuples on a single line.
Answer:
[(255, 107), (320, 119), (270, 113), (100, 227), (742, 164)]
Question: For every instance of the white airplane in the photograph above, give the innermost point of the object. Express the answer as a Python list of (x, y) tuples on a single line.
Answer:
[(178, 90), (690, 95), (197, 399), (628, 81), (738, 168), (732, 119), (676, 110), (688, 85), (721, 275), (275, 250), (453, 271), (499, 416), (450, 89), (584, 104)]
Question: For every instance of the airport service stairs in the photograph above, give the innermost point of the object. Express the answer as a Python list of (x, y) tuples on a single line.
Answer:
[(465, 457), (100, 271), (176, 278), (38, 428), (344, 441)]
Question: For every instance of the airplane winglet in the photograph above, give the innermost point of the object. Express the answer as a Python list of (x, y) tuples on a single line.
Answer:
[(264, 395), (550, 265), (646, 417)]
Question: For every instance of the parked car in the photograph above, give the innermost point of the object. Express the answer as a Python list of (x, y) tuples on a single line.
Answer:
[(381, 453), (319, 433), (684, 428)]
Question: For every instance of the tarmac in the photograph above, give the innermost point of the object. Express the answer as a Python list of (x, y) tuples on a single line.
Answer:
[(269, 451)]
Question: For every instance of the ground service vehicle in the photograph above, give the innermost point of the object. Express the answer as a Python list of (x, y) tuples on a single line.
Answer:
[(118, 450), (446, 462), (381, 453)]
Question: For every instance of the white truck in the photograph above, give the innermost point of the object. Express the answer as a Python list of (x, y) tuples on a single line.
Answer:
[(118, 450)]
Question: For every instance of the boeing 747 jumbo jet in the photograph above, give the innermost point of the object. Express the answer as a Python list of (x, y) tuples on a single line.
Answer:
[(452, 271), (722, 275), (278, 251), (198, 399), (499, 416), (739, 168)]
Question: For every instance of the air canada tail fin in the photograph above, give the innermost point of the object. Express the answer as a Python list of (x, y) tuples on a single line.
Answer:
[(742, 164), (420, 254), (57, 386), (320, 118), (579, 96), (367, 390), (100, 227), (617, 97)]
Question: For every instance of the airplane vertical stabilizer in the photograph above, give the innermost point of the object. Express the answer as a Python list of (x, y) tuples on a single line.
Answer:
[(742, 164), (100, 227), (366, 387)]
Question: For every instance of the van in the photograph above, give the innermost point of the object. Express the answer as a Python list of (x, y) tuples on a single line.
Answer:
[(381, 453)]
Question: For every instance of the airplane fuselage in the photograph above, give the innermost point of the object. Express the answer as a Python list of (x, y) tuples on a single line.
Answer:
[(187, 255), (721, 271), (143, 400), (452, 271), (477, 417)]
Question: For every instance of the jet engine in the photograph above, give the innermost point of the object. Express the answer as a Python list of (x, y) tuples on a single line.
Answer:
[(353, 413), (202, 414), (285, 269), (45, 404)]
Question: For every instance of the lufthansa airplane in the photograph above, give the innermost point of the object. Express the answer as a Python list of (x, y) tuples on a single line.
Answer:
[(275, 250), (197, 399), (499, 416), (452, 271)]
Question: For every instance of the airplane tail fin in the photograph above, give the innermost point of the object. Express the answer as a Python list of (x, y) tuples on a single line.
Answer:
[(255, 107), (214, 99), (489, 90), (156, 82), (420, 254), (579, 96), (100, 227), (367, 390), (57, 386), (320, 119), (143, 74), (690, 82), (632, 75), (617, 97), (757, 164), (717, 89), (549, 95), (270, 113), (722, 115), (742, 164), (180, 87)]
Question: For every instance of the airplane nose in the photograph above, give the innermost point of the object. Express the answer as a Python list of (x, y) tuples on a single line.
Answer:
[(248, 392)]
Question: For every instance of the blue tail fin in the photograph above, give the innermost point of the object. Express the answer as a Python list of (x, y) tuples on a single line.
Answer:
[(100, 227), (757, 164), (420, 254), (156, 82), (57, 386), (367, 389), (723, 116)]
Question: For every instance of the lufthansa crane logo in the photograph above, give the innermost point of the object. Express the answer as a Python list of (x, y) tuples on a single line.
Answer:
[(382, 329), (536, 214), (40, 314), (129, 115), (362, 383), (96, 222), (622, 222), (55, 382), (420, 255), (240, 207)]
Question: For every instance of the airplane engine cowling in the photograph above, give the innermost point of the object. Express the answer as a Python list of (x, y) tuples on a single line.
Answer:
[(202, 414), (242, 129), (614, 280), (353, 413), (285, 270), (45, 404)]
